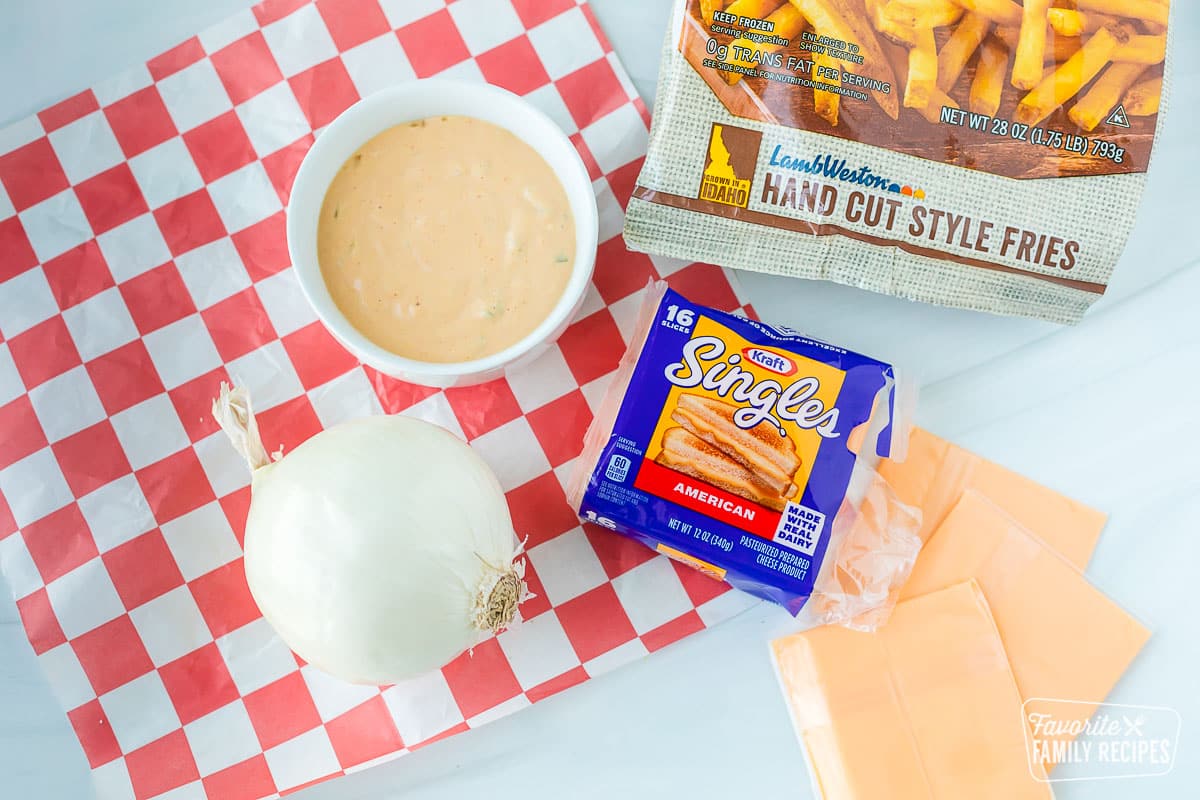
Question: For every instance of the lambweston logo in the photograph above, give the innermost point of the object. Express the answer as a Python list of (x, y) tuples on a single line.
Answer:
[(838, 169), (730, 165), (770, 360)]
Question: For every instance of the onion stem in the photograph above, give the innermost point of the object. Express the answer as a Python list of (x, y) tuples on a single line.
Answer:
[(502, 602), (502, 590), (234, 413)]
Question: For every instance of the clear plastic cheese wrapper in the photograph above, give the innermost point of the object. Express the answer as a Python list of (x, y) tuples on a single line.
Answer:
[(977, 155), (725, 444)]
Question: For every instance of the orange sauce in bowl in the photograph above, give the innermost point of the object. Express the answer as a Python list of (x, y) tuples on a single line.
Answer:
[(446, 240)]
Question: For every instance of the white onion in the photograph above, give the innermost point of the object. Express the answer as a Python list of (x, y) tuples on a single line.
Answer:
[(379, 549)]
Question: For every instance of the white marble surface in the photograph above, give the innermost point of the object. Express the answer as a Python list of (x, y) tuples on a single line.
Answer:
[(1106, 412)]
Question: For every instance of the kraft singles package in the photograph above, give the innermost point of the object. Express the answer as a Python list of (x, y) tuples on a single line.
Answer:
[(747, 451)]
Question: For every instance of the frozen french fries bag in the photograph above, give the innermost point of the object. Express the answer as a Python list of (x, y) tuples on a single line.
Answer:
[(748, 452), (984, 154)]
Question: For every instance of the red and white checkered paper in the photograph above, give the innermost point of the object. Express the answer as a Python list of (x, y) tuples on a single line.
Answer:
[(143, 261)]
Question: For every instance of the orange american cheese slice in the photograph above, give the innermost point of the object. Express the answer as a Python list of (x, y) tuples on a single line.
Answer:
[(926, 708), (1065, 639), (936, 473)]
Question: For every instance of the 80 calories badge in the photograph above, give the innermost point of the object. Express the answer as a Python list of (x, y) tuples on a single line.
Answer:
[(1078, 741)]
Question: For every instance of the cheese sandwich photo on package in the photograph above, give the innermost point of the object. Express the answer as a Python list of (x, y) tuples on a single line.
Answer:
[(589, 398)]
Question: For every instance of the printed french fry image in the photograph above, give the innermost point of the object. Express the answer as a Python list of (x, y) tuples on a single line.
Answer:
[(827, 103), (922, 71), (959, 49), (901, 34), (1031, 45), (1010, 35), (832, 19), (1143, 49), (1020, 76), (1063, 83), (1061, 48), (1068, 22), (710, 7), (1148, 10), (1002, 12), (876, 65), (1058, 48), (753, 9), (990, 76), (938, 100), (787, 22), (1105, 94), (1143, 99), (917, 14)]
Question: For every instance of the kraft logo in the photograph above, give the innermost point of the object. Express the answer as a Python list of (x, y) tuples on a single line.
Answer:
[(779, 364)]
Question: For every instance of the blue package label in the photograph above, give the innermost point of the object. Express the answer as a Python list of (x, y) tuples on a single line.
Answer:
[(729, 450)]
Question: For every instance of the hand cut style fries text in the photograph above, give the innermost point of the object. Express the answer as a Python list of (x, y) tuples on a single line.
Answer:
[(1095, 55)]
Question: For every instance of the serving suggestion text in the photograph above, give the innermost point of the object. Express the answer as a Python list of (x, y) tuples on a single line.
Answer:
[(921, 222)]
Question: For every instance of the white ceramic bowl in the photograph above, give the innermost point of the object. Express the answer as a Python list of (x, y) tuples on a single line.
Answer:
[(413, 101)]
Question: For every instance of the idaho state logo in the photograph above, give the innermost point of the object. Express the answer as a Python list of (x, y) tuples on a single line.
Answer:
[(730, 165)]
